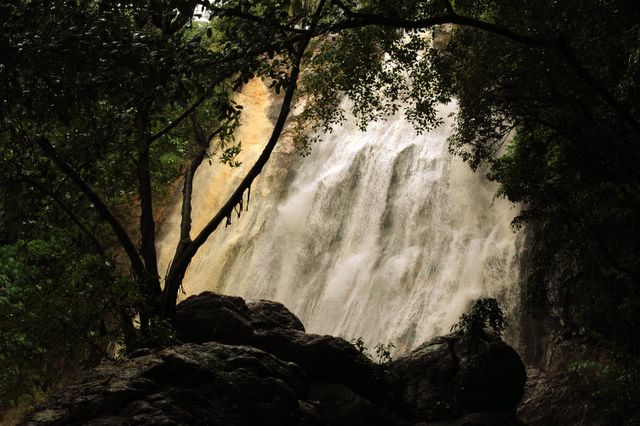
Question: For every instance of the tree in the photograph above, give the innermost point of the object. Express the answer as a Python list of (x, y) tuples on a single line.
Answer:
[(92, 86), (572, 161)]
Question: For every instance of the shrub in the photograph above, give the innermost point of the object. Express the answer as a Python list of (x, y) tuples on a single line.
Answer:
[(485, 315)]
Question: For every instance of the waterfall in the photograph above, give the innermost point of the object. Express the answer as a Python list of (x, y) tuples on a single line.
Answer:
[(379, 234)]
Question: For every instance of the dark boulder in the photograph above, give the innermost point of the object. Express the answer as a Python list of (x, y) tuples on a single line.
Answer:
[(562, 397), (324, 358), (339, 406), (452, 375), (209, 384), (211, 317), (270, 315), (270, 326), (492, 375), (424, 383)]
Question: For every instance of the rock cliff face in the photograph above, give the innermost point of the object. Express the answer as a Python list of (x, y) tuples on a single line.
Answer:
[(253, 364)]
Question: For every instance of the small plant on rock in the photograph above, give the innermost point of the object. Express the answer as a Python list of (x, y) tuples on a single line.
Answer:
[(160, 334), (485, 315), (382, 351), (361, 346)]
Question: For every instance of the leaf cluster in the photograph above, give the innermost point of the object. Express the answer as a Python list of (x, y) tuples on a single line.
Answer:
[(383, 352), (484, 316), (55, 316), (373, 73)]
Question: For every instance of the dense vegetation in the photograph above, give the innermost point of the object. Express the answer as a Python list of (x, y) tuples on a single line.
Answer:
[(103, 103), (573, 111), (572, 162), (92, 95)]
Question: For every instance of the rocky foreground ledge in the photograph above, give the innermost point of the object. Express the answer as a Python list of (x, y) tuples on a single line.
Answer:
[(253, 364)]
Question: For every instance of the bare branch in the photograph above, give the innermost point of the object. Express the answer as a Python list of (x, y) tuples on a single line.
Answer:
[(187, 189), (359, 20)]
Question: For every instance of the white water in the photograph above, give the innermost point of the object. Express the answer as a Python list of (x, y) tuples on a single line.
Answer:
[(381, 235)]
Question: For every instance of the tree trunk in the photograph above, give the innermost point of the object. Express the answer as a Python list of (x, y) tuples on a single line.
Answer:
[(183, 257)]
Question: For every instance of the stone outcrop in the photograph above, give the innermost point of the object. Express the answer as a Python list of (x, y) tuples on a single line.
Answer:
[(210, 317), (188, 384), (557, 398), (452, 375), (253, 364)]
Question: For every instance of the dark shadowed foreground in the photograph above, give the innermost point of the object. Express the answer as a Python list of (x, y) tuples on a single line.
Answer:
[(253, 364)]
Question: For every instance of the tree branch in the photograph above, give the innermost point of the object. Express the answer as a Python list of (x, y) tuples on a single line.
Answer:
[(101, 208), (179, 119), (74, 218), (237, 13), (182, 260), (147, 223), (359, 20), (187, 189)]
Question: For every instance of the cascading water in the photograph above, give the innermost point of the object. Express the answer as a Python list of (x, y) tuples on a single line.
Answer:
[(379, 234)]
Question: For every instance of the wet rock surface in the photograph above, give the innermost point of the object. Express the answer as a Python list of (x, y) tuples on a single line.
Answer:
[(253, 364), (558, 398)]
